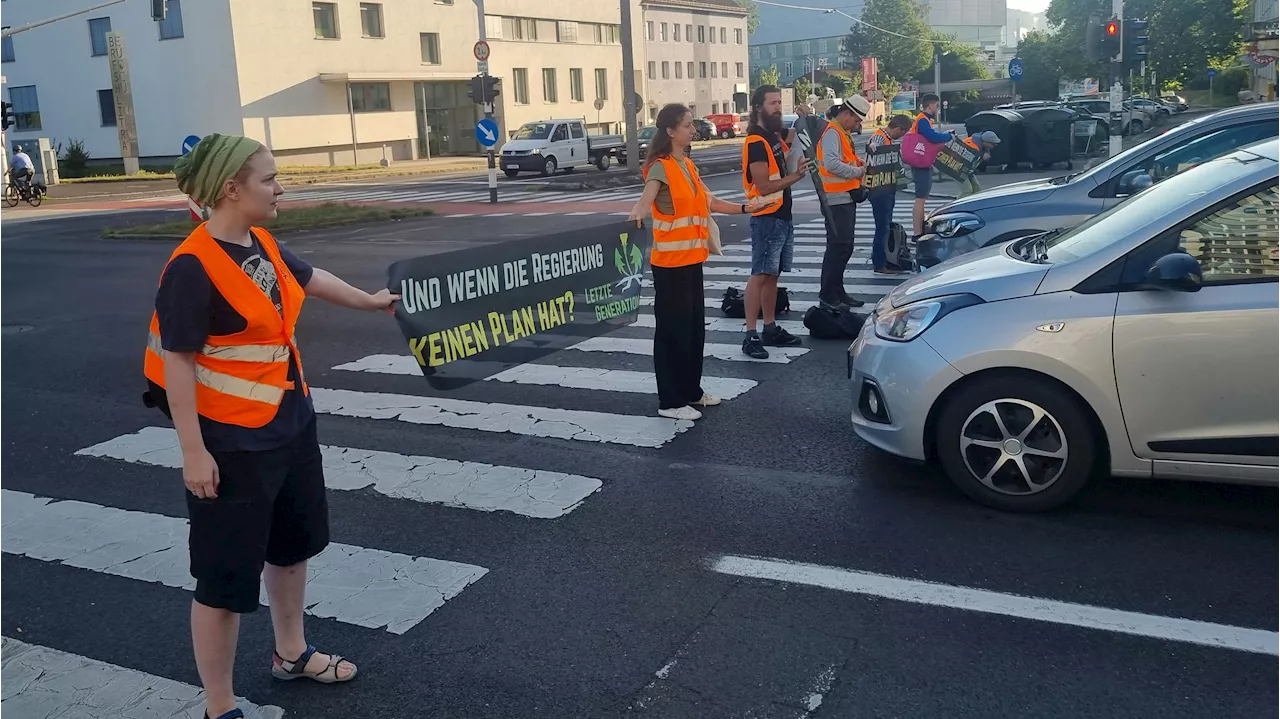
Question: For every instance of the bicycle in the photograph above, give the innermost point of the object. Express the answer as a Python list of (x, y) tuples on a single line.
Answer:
[(32, 193)]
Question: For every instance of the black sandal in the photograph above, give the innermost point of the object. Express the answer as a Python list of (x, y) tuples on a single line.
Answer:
[(233, 714), (297, 669)]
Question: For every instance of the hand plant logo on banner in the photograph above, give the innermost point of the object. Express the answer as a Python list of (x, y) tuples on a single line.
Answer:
[(630, 264)]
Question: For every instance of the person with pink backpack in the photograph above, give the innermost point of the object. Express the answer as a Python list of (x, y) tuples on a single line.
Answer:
[(920, 148)]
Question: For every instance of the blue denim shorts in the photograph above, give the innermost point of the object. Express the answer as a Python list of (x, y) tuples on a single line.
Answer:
[(772, 242), (923, 177)]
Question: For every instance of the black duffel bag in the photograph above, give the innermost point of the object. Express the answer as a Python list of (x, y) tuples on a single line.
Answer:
[(828, 323), (733, 304)]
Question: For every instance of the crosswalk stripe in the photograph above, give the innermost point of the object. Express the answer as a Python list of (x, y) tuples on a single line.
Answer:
[(591, 378), (580, 425), (873, 290), (44, 682), (797, 272), (724, 324), (367, 587), (540, 494), (714, 303), (713, 350), (804, 259)]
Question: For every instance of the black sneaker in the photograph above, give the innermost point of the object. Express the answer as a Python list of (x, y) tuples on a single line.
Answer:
[(852, 302), (754, 348), (780, 338)]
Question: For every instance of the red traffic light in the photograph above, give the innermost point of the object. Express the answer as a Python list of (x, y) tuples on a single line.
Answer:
[(1113, 29)]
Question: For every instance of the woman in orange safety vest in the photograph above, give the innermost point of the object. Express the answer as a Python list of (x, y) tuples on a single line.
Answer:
[(681, 208), (222, 362)]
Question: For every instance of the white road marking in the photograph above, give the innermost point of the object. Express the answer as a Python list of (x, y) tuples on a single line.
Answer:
[(795, 259), (462, 214), (726, 324), (1258, 641), (605, 380), (580, 214), (366, 587), (798, 272), (534, 493), (584, 426), (714, 350), (797, 287), (44, 682), (714, 303)]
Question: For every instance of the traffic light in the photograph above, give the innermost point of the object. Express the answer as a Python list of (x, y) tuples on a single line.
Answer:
[(159, 9), (1110, 41), (484, 88), (1093, 39), (6, 116), (1135, 42), (492, 87)]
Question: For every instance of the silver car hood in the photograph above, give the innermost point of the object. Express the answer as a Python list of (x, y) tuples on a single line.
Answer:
[(989, 273), (1014, 193)]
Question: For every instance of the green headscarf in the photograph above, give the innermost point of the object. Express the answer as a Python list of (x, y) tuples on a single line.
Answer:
[(203, 172)]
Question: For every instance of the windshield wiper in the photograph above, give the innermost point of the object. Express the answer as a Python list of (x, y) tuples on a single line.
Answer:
[(1035, 248)]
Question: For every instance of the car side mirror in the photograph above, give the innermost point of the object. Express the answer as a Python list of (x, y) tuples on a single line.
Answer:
[(1133, 182), (1175, 272)]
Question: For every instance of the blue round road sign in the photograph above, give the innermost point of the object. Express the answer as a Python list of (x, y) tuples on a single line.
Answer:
[(1212, 72), (1015, 69), (487, 132), (189, 143)]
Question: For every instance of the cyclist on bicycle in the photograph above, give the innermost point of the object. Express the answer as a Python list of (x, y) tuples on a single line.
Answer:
[(22, 169)]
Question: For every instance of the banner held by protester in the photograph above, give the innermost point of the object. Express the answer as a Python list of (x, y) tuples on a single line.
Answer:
[(957, 160), (470, 314), (882, 169)]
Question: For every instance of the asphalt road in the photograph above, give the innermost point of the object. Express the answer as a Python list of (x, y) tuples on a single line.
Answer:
[(625, 605)]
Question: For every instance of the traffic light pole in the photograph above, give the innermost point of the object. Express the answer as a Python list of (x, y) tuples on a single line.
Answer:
[(1117, 90), (487, 102)]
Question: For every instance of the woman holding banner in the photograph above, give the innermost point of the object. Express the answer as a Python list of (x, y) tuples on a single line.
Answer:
[(681, 208), (222, 363)]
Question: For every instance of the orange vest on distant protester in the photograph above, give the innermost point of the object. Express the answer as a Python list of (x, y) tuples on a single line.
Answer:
[(241, 378), (681, 238), (834, 183), (775, 199)]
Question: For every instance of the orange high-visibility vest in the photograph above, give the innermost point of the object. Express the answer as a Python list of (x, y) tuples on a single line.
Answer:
[(915, 125), (834, 183), (241, 378), (969, 141), (775, 199), (887, 140), (681, 238)]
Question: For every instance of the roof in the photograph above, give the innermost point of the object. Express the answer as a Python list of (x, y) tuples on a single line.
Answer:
[(726, 6)]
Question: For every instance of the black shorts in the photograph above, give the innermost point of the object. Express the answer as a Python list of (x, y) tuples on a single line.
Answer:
[(271, 507)]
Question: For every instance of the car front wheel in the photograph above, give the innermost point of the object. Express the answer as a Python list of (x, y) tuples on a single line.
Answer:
[(1016, 442)]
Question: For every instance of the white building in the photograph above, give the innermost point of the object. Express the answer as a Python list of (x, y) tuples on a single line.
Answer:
[(696, 54), (282, 72)]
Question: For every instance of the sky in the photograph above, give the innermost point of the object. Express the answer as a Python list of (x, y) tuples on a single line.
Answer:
[(1028, 5)]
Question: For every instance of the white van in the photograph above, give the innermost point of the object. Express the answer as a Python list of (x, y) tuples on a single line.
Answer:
[(549, 145)]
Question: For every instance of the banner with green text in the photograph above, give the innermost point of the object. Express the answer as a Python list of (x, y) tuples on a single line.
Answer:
[(470, 314)]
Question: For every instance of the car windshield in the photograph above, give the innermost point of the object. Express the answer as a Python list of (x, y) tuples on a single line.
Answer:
[(1120, 221), (647, 133), (534, 131)]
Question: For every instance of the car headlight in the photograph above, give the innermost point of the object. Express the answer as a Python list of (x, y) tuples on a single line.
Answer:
[(905, 323), (953, 224), (536, 151)]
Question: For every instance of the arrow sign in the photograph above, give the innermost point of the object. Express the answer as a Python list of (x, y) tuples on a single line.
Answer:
[(1015, 69), (487, 132), (189, 144)]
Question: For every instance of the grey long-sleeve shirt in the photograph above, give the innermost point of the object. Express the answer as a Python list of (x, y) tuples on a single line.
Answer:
[(832, 163)]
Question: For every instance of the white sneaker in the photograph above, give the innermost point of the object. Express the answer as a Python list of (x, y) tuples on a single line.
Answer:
[(685, 412), (707, 401)]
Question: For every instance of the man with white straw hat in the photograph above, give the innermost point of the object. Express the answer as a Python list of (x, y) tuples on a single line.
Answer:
[(840, 170)]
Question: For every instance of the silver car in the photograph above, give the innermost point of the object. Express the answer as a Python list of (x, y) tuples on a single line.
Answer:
[(1140, 343), (1024, 208)]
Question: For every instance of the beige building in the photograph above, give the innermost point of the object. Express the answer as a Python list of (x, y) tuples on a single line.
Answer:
[(320, 82), (696, 54)]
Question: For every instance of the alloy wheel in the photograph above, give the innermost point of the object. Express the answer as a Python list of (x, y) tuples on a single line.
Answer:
[(1013, 447)]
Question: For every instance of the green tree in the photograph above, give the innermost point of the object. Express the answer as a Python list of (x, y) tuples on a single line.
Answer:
[(803, 87), (959, 61), (1047, 59), (769, 76), (844, 86), (753, 14), (899, 57)]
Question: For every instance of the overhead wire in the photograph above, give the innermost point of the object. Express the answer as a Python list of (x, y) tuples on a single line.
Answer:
[(860, 21)]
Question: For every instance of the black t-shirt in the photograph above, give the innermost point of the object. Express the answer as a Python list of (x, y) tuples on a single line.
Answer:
[(190, 309), (756, 153)]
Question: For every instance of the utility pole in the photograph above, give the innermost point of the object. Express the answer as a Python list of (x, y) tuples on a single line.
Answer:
[(629, 90), (34, 25), (487, 102), (1117, 91)]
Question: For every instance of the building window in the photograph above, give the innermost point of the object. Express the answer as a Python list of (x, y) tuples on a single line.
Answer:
[(326, 19), (171, 25), (737, 66), (666, 70), (702, 70), (712, 32), (430, 42), (804, 48), (786, 50), (722, 35), (755, 53), (575, 84), (688, 33), (724, 69), (98, 29), (371, 19), (679, 71), (773, 51), (370, 96), (566, 31), (520, 78), (713, 70), (653, 72), (602, 83), (549, 93), (648, 31), (786, 70), (715, 108), (6, 48), (690, 68), (737, 36), (675, 29), (26, 107), (822, 45), (517, 28), (702, 33), (107, 107)]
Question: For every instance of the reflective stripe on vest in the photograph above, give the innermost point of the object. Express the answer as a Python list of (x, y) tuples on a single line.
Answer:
[(681, 238), (833, 183), (774, 198), (241, 378)]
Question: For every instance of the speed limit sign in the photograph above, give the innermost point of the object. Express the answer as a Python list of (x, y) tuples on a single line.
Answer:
[(481, 51)]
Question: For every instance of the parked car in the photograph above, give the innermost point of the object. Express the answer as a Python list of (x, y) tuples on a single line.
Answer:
[(1176, 101), (1132, 122), (1158, 110), (645, 135), (550, 145), (1141, 343), (726, 125), (705, 128), (1004, 213)]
